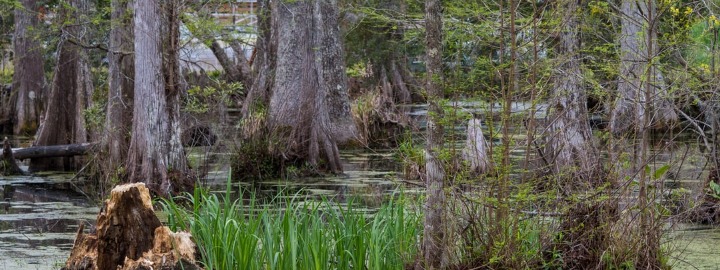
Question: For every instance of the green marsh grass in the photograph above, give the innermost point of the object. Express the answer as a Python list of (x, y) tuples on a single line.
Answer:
[(290, 234)]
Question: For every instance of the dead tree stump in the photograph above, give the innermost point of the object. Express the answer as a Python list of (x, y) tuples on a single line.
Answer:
[(130, 237), (8, 166), (475, 152)]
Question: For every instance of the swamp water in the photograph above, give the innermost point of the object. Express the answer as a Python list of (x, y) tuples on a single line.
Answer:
[(40, 214)]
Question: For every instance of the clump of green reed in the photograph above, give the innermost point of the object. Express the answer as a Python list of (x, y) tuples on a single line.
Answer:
[(288, 234)]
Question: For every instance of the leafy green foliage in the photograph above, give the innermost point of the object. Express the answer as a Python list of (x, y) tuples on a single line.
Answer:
[(380, 35), (6, 74), (7, 20), (658, 173), (661, 171), (410, 151), (201, 99), (715, 190), (94, 114), (254, 160)]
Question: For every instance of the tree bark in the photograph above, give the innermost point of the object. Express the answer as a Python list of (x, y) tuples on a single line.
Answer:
[(628, 113), (401, 93), (232, 70), (6, 107), (433, 235), (264, 62), (569, 148), (8, 166), (29, 77), (118, 123), (243, 64), (156, 155), (309, 106), (69, 96), (629, 108)]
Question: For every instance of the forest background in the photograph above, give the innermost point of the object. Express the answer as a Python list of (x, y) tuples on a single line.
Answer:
[(611, 80)]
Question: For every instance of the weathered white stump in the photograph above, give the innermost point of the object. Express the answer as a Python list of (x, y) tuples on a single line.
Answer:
[(475, 151)]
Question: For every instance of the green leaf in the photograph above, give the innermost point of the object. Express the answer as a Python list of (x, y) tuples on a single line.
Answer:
[(715, 188), (661, 171)]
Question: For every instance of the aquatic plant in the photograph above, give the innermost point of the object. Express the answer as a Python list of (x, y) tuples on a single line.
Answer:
[(291, 234)]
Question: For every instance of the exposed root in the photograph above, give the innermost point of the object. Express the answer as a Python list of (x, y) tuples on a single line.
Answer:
[(380, 122)]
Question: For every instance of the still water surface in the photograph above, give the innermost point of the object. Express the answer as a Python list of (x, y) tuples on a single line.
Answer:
[(39, 215)]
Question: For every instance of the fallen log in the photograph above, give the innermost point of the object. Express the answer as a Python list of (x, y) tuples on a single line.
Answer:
[(129, 236), (8, 166), (63, 150)]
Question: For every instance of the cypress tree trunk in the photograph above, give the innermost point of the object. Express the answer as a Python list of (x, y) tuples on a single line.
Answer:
[(629, 108), (156, 156), (6, 107), (309, 107), (242, 63), (232, 70), (395, 63), (433, 235), (569, 147), (237, 68), (118, 123), (69, 96), (264, 64), (642, 103), (628, 114), (475, 152), (380, 46), (572, 156), (29, 76)]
